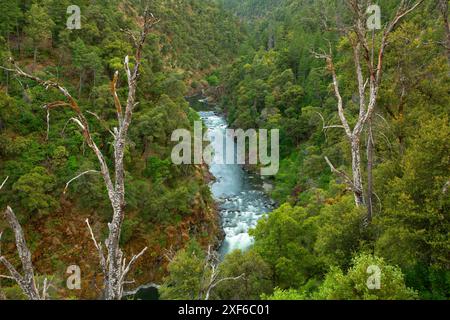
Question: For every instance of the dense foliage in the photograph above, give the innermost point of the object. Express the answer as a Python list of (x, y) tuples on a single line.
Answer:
[(315, 243), (258, 55), (166, 205)]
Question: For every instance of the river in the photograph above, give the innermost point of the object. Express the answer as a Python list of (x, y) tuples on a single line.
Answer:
[(240, 195)]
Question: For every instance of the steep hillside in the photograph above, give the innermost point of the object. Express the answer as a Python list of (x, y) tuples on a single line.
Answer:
[(279, 83), (166, 205)]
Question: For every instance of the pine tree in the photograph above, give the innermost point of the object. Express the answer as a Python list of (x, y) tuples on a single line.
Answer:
[(39, 27)]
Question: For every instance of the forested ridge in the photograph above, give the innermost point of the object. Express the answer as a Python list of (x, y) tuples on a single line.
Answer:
[(287, 65), (317, 244)]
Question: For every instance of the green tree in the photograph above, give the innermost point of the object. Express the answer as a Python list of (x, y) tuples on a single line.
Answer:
[(257, 279), (353, 284), (416, 220), (280, 294), (39, 27)]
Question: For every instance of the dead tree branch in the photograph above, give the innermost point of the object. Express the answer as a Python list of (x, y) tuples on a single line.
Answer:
[(113, 264), (26, 281), (367, 89)]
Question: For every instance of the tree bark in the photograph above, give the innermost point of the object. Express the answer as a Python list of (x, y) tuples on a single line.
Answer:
[(356, 171), (114, 266), (443, 4), (361, 50), (214, 278), (369, 174), (80, 87)]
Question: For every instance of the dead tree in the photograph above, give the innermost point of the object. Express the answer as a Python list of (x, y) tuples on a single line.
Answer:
[(368, 89), (113, 263), (212, 278), (27, 280)]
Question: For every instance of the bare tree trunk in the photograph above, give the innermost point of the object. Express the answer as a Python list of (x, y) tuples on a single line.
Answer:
[(19, 47), (114, 265), (357, 34), (210, 276)]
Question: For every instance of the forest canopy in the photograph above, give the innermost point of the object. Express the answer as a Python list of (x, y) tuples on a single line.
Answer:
[(363, 117)]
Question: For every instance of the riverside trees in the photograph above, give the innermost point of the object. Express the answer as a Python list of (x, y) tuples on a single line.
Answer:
[(368, 89)]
